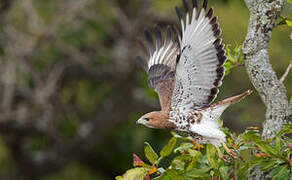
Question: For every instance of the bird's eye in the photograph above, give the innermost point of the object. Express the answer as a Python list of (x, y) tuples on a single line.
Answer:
[(146, 119)]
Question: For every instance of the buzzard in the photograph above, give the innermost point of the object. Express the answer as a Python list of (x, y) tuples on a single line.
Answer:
[(186, 71)]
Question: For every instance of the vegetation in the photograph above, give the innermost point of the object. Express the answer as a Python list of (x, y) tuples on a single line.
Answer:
[(190, 160)]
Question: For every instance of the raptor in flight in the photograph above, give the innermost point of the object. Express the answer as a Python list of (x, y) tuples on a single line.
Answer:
[(186, 71)]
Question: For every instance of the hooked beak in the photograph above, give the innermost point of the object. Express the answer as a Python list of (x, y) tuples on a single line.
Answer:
[(138, 121)]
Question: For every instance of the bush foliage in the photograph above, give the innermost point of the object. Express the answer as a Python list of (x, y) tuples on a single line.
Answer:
[(191, 160)]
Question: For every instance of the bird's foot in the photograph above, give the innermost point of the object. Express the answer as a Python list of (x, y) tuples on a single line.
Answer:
[(231, 152), (225, 158)]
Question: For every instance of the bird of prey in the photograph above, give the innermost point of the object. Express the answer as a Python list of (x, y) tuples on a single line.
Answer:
[(186, 69)]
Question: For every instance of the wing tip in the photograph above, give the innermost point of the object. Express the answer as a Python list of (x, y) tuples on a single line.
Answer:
[(158, 36), (195, 4), (149, 40), (186, 6), (210, 13), (205, 4), (179, 12)]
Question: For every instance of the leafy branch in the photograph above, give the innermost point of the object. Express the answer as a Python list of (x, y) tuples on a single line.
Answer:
[(196, 161)]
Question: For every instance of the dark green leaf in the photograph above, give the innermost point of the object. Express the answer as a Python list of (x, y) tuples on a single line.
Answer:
[(194, 153), (183, 147), (266, 165), (242, 172), (224, 172), (171, 174), (198, 173), (166, 150), (178, 163), (150, 153), (211, 152), (278, 144), (286, 130), (280, 173)]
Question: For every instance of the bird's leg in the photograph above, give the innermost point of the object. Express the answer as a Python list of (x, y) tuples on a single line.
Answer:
[(221, 156), (231, 152)]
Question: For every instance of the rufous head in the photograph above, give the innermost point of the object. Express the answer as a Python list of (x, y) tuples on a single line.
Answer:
[(157, 120)]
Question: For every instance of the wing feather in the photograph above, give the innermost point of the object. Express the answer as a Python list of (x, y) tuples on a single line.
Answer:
[(199, 71), (161, 63)]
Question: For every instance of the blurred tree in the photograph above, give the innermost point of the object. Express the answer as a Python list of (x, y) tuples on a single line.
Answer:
[(70, 88)]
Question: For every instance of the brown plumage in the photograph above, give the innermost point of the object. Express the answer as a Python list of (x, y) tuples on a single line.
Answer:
[(186, 73), (157, 120)]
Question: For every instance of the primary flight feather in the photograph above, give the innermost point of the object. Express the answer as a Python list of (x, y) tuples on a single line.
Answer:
[(186, 72)]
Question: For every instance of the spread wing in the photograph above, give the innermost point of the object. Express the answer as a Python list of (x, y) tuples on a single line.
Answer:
[(200, 70), (160, 64)]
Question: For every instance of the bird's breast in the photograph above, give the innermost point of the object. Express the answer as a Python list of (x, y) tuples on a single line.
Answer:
[(185, 119)]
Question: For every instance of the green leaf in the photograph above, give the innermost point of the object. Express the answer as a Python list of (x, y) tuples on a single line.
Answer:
[(178, 163), (183, 147), (166, 150), (242, 172), (171, 174), (286, 130), (266, 165), (194, 153), (198, 173), (150, 153), (228, 67), (268, 149), (289, 1), (224, 172), (278, 144), (211, 152), (280, 173), (264, 146), (289, 23), (133, 174)]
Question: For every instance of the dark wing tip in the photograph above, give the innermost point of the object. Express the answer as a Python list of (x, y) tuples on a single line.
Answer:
[(213, 20), (195, 4), (177, 37), (210, 13), (178, 12), (214, 91), (217, 42), (217, 32), (168, 35), (148, 36), (213, 94), (205, 3), (149, 41), (158, 36), (186, 6)]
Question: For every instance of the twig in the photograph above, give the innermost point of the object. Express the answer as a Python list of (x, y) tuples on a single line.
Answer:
[(235, 164), (286, 72)]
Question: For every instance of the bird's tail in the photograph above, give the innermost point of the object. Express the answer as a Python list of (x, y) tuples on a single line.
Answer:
[(219, 107), (234, 99)]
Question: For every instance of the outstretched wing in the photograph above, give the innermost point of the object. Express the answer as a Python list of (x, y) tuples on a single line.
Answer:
[(200, 69), (160, 64)]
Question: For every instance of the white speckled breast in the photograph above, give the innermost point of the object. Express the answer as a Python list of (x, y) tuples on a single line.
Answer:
[(184, 119)]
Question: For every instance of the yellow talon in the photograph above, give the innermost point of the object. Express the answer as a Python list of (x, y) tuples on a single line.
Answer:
[(221, 156), (229, 151)]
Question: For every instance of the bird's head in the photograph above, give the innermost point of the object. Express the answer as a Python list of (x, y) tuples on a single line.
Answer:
[(157, 120)]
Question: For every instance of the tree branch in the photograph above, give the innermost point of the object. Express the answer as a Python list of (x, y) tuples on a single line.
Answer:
[(255, 48), (286, 72), (263, 14)]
